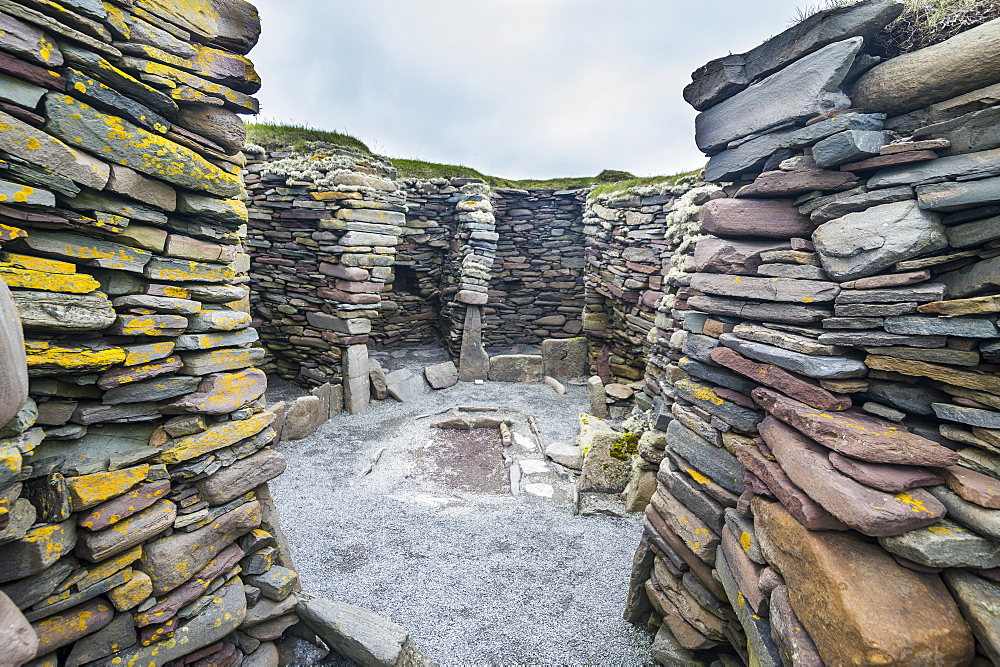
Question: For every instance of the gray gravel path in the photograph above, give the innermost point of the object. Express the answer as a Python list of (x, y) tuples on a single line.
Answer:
[(475, 578)]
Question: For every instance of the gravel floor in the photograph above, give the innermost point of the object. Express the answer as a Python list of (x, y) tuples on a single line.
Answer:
[(475, 578)]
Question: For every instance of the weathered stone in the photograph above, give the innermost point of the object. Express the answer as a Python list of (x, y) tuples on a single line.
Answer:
[(750, 217), (566, 359), (606, 462), (118, 634), (884, 476), (952, 196), (983, 521), (221, 616), (893, 160), (37, 147), (123, 506), (516, 368), (40, 547), (724, 77), (441, 376), (276, 584), (732, 257), (954, 376), (860, 202), (215, 361), (791, 183), (19, 640), (214, 340), (64, 629), (854, 434), (221, 393), (802, 90), (222, 435), (777, 378), (862, 508), (849, 146), (156, 193), (786, 339), (701, 539), (856, 603), (763, 312), (13, 368), (125, 534), (976, 597), (915, 80), (809, 365), (973, 486), (713, 374), (862, 244), (714, 462), (170, 561), (765, 289), (794, 644), (756, 628), (945, 544), (132, 146), (359, 635), (244, 475)]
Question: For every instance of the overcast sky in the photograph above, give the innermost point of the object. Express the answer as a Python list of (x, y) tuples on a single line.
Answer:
[(514, 88)]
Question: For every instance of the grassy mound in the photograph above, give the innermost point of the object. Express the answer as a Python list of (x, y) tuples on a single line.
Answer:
[(279, 135)]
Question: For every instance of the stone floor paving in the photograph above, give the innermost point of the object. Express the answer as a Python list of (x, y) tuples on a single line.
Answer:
[(434, 539)]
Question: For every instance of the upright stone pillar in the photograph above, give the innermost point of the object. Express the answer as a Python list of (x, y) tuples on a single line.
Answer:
[(474, 363), (357, 389)]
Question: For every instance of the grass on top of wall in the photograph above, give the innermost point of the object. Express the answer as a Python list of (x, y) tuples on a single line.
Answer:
[(631, 183), (923, 23), (281, 135), (429, 170)]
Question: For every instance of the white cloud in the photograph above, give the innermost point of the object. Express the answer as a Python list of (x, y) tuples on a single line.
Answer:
[(517, 88)]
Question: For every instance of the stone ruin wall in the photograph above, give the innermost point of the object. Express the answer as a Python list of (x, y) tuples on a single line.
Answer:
[(821, 456), (135, 519)]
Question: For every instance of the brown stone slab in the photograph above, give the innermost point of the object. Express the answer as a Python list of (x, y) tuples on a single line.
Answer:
[(973, 486), (888, 280), (892, 160), (780, 379), (885, 476), (698, 537), (745, 571), (698, 567), (117, 377), (867, 510), (909, 146), (969, 380), (974, 306), (124, 506), (858, 605), (244, 475), (748, 217), (806, 510), (792, 183), (854, 434), (125, 534)]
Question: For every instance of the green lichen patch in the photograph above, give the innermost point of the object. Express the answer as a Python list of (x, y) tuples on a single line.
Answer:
[(625, 446)]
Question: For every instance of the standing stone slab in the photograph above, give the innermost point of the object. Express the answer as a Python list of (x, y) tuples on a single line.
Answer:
[(474, 362), (793, 642), (863, 244), (804, 89), (858, 605), (566, 358)]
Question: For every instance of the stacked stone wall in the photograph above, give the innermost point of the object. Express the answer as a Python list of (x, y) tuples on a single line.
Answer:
[(822, 436), (135, 521)]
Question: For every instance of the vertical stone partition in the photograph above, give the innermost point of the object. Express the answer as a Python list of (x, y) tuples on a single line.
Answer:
[(135, 523)]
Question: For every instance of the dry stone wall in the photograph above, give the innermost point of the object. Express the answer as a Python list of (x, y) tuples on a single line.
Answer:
[(135, 521), (824, 367)]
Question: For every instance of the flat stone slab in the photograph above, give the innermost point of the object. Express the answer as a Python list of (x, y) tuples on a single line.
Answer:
[(824, 368), (777, 378), (855, 434), (441, 376), (516, 368), (945, 544), (358, 634), (765, 289), (983, 521), (708, 398), (788, 313), (973, 486), (854, 600), (863, 508), (770, 218), (863, 244), (804, 89), (884, 476), (772, 184), (713, 462), (977, 597), (731, 256)]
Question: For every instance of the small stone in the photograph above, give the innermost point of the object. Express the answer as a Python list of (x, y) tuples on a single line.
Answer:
[(945, 544), (441, 376)]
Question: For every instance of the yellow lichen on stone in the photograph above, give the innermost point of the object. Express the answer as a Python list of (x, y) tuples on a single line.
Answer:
[(36, 263), (133, 592), (223, 435), (51, 537), (105, 569), (42, 353), (89, 490), (76, 283), (197, 271), (150, 352)]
